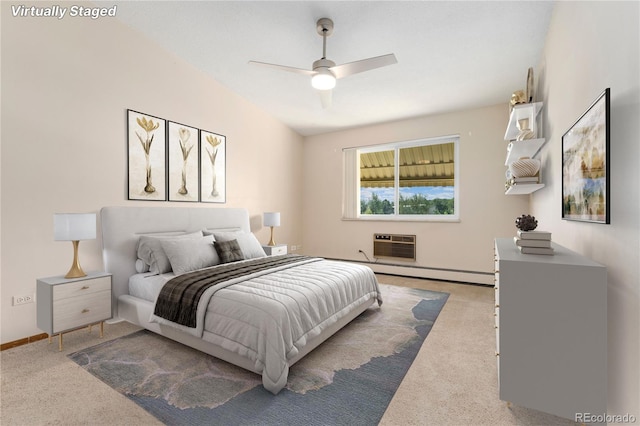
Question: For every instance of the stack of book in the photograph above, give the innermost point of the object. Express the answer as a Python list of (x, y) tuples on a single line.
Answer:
[(522, 181), (534, 242)]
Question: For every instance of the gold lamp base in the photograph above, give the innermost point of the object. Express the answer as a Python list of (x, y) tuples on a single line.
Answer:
[(76, 270), (271, 241)]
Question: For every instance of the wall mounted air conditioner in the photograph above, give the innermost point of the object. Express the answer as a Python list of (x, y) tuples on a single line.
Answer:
[(394, 246)]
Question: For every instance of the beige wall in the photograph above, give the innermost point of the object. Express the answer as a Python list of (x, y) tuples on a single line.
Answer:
[(66, 85), (591, 46), (485, 212)]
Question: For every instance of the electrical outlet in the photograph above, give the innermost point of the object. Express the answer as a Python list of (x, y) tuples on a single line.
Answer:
[(21, 300), (294, 248)]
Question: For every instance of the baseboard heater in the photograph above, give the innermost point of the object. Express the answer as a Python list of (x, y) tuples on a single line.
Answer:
[(394, 246)]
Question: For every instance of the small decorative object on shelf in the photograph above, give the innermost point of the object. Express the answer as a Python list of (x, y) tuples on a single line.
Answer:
[(514, 181), (526, 223), (518, 97), (524, 167), (529, 93), (525, 132)]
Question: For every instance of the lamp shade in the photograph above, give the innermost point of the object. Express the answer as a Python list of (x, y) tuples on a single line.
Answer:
[(74, 226), (271, 219)]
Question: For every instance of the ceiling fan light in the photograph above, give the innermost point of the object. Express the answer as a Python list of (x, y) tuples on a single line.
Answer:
[(323, 80)]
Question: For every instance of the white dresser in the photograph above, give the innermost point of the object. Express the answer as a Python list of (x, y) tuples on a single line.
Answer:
[(551, 330), (67, 304)]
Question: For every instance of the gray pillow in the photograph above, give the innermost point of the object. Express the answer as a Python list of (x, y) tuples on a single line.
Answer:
[(190, 254), (229, 251), (249, 244), (151, 252)]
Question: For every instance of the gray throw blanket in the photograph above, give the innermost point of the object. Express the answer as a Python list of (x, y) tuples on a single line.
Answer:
[(178, 299)]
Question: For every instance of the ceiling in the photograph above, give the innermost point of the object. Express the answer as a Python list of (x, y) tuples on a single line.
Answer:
[(452, 55)]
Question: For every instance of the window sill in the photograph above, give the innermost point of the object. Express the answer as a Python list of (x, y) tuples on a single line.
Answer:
[(431, 219)]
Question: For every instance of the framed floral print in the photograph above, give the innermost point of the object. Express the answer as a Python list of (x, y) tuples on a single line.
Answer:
[(183, 171), (213, 151), (146, 159)]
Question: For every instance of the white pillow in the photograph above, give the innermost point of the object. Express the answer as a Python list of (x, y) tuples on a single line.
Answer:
[(151, 252), (190, 254), (249, 244), (141, 266)]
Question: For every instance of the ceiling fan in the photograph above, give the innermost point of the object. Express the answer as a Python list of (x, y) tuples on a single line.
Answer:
[(324, 72)]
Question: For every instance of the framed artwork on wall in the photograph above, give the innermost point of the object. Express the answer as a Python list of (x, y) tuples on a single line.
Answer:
[(213, 152), (183, 171), (146, 157), (585, 165)]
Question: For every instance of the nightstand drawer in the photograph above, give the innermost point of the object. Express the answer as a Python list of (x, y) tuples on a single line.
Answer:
[(78, 311), (279, 250), (275, 250), (81, 288)]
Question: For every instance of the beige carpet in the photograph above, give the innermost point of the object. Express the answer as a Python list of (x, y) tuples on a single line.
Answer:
[(451, 382)]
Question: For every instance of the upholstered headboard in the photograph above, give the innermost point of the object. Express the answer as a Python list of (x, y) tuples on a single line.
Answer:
[(123, 226)]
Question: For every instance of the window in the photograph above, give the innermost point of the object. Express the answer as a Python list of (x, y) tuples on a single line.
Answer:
[(413, 180)]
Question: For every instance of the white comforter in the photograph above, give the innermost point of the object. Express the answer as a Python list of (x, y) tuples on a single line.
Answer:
[(269, 316)]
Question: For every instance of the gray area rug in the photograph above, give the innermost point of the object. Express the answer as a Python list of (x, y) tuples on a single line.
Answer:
[(348, 380)]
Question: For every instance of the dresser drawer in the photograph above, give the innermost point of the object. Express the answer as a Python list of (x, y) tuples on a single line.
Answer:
[(81, 310)]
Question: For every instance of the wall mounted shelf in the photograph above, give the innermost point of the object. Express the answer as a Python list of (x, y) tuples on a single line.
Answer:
[(523, 188), (525, 148), (519, 112), (519, 149)]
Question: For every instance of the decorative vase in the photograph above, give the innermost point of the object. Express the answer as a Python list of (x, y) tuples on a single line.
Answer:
[(525, 132), (524, 167)]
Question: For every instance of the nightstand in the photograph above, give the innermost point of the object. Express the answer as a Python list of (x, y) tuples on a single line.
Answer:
[(275, 250), (68, 304)]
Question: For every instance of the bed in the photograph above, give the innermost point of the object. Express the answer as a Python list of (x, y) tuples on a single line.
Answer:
[(261, 313)]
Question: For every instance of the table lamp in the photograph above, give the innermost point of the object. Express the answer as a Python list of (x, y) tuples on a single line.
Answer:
[(74, 227), (271, 219)]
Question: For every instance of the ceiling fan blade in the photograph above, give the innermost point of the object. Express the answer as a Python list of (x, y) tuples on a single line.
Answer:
[(363, 65), (325, 98), (284, 68)]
